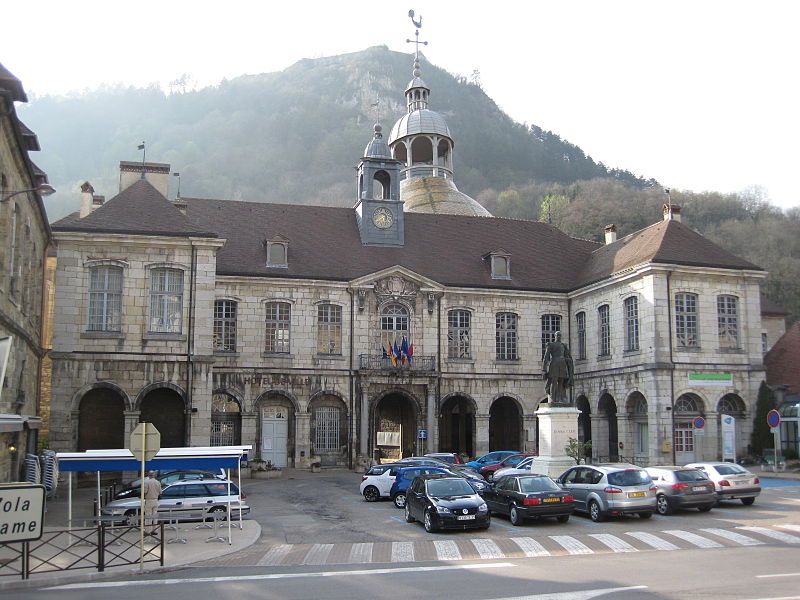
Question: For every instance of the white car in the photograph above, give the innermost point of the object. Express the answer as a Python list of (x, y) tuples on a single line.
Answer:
[(376, 483), (523, 467), (731, 481)]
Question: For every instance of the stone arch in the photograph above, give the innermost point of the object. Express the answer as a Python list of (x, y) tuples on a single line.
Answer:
[(276, 427), (584, 421), (235, 394), (226, 420), (160, 385), (381, 185), (608, 434), (101, 418), (165, 406), (637, 409), (457, 424), (685, 408), (328, 428), (395, 415), (505, 423), (732, 404), (78, 395)]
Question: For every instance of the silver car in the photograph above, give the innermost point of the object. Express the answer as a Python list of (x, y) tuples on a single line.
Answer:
[(610, 490), (731, 481), (681, 487), (526, 466)]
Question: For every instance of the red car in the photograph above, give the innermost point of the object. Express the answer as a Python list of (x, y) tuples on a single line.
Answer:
[(488, 471)]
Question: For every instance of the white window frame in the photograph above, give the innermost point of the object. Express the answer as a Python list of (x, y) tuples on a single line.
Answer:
[(225, 316), (104, 312), (604, 330), (686, 331), (329, 329), (728, 321), (580, 326), (631, 308), (166, 300), (459, 333), (277, 326), (506, 342)]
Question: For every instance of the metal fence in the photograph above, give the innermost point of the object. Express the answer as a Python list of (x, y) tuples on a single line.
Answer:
[(376, 362), (97, 548)]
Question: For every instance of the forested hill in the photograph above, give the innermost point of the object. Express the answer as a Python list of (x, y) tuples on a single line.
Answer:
[(292, 136)]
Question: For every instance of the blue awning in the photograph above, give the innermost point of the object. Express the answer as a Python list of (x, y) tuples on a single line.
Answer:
[(225, 457)]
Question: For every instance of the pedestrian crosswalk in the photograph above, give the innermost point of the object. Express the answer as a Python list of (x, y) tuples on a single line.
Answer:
[(468, 548)]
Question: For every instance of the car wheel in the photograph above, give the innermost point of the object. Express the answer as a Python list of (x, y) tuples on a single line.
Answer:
[(215, 509), (409, 518), (371, 493), (705, 508), (645, 515), (595, 514), (429, 526), (514, 515), (132, 518), (748, 501), (662, 505), (399, 499), (562, 518)]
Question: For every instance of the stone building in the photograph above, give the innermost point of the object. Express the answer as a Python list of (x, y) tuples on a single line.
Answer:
[(413, 322), (24, 241)]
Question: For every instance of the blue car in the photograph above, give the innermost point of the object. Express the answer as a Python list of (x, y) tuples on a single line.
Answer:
[(405, 476), (491, 458)]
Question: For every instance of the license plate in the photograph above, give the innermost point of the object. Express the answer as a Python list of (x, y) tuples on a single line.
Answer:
[(699, 488), (465, 517), (635, 494), (551, 500)]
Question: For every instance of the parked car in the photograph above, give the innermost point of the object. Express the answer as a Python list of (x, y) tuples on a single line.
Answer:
[(205, 495), (524, 467), (731, 481), (529, 496), (445, 502), (610, 489), (490, 458), (681, 487), (477, 482), (448, 457), (166, 477), (488, 471), (378, 480), (428, 461), (404, 478)]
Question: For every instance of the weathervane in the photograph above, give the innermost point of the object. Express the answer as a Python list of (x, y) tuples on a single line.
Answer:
[(144, 156), (418, 25)]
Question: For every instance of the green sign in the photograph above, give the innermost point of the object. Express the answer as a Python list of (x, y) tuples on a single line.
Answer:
[(711, 379)]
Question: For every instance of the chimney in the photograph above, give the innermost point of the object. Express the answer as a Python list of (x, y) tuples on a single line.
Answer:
[(672, 212), (86, 199), (97, 201), (156, 173), (611, 234)]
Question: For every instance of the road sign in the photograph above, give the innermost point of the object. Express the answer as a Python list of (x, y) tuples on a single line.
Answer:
[(145, 441), (773, 418), (699, 422), (21, 512), (423, 434)]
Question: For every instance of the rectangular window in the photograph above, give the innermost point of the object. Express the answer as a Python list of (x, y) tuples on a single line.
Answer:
[(277, 326), (105, 299), (329, 329), (642, 438), (631, 323), (166, 300), (506, 336), (580, 325), (686, 320), (277, 254), (603, 331), (684, 437), (225, 326), (728, 320), (326, 434), (550, 325), (458, 333)]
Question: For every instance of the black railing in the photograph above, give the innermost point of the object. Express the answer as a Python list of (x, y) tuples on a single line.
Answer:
[(377, 362)]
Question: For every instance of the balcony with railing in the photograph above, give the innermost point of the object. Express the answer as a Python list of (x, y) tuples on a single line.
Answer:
[(378, 362)]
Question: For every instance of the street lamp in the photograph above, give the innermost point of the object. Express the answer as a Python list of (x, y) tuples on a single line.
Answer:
[(43, 190)]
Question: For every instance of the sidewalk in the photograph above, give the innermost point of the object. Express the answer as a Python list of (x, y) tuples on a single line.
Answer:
[(198, 546), (790, 474)]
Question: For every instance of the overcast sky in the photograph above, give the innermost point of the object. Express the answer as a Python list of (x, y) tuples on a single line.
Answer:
[(698, 94)]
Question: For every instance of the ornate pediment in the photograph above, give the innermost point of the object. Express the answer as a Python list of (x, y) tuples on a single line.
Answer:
[(395, 287)]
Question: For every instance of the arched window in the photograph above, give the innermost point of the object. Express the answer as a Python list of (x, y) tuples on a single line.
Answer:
[(394, 326), (686, 404), (380, 185), (730, 404), (226, 421), (459, 333)]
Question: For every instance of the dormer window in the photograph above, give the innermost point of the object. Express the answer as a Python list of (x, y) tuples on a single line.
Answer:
[(278, 252), (501, 264)]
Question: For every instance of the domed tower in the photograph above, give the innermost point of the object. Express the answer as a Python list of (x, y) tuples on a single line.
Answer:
[(421, 141), (379, 209)]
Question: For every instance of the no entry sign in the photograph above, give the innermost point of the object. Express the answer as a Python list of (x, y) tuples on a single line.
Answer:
[(699, 422), (773, 418)]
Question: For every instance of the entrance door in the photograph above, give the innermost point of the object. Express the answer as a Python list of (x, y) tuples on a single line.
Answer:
[(684, 443), (274, 441)]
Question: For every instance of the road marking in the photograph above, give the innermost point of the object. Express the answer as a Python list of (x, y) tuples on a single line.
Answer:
[(778, 575), (613, 542), (488, 548), (530, 547), (576, 595), (571, 545), (361, 553), (318, 554), (790, 527), (733, 536), (240, 578), (275, 555), (496, 524), (792, 499), (695, 539), (652, 540), (777, 535), (447, 550), (402, 551)]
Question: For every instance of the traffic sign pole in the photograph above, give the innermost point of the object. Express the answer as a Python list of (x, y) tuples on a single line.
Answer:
[(145, 444), (774, 421)]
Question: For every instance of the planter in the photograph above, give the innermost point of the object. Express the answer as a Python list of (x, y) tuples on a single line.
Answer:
[(273, 474), (316, 467)]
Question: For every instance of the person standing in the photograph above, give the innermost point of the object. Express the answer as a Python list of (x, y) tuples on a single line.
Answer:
[(152, 492)]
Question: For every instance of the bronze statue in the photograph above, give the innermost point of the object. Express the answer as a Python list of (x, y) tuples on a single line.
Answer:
[(557, 370)]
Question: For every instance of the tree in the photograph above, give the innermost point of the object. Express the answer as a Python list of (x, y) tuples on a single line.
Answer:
[(761, 437), (577, 450)]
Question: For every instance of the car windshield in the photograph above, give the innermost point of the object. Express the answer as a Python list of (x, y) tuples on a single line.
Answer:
[(449, 487), (537, 484), (629, 477), (731, 470), (690, 475)]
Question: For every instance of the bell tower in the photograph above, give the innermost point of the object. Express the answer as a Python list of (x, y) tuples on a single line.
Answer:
[(379, 210)]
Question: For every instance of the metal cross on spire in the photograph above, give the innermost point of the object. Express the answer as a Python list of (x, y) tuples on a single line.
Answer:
[(418, 25)]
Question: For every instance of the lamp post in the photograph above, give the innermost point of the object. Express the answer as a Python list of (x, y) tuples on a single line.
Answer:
[(43, 190)]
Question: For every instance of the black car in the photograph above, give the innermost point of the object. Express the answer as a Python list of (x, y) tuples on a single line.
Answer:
[(529, 497), (445, 502)]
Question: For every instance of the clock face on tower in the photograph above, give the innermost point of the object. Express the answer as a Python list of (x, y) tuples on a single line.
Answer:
[(382, 217)]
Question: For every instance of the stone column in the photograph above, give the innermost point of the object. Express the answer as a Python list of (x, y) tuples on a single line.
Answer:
[(363, 437), (432, 443), (625, 435), (302, 440), (530, 426), (599, 436), (556, 425), (481, 434)]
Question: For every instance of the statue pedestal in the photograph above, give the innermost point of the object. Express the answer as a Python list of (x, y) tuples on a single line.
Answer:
[(556, 425)]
